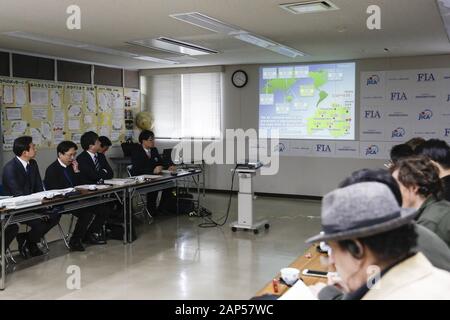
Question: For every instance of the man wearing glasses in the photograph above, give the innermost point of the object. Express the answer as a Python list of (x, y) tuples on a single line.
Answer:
[(64, 173)]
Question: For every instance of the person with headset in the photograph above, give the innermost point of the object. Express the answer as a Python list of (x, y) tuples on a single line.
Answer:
[(433, 247), (372, 241), (421, 189)]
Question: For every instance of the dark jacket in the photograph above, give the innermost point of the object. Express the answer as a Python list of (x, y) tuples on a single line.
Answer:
[(143, 164), (16, 182), (58, 177), (446, 182), (435, 215), (88, 173)]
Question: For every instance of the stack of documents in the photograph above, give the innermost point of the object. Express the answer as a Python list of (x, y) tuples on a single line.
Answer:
[(32, 199), (120, 182), (93, 187)]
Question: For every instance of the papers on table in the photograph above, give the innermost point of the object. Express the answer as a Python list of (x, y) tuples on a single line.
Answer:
[(147, 176), (93, 186), (120, 182), (32, 199), (299, 291)]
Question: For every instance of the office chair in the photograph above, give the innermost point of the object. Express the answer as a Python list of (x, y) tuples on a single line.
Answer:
[(141, 201)]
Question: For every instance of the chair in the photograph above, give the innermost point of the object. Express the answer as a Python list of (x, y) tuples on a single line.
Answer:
[(141, 201)]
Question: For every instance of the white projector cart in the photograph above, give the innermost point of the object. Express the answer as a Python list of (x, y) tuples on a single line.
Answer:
[(245, 201)]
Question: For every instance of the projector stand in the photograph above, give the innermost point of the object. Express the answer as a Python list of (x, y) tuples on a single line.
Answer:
[(245, 203)]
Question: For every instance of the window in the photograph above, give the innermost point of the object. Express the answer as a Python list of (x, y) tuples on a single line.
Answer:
[(186, 105)]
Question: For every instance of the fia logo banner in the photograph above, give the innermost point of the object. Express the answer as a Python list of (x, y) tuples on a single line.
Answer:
[(372, 114), (323, 148), (447, 132), (398, 96), (373, 80), (426, 114), (398, 133), (372, 150), (425, 77)]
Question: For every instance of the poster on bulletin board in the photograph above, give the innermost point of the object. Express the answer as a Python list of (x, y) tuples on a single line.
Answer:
[(51, 112)]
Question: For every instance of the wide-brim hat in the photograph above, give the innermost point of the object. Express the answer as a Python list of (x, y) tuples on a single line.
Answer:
[(360, 210)]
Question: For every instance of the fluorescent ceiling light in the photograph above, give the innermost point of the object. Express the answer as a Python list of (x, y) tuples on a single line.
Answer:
[(203, 21), (218, 26), (173, 46), (309, 6), (84, 46), (268, 44), (255, 40)]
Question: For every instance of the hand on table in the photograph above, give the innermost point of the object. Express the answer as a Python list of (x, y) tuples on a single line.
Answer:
[(158, 170)]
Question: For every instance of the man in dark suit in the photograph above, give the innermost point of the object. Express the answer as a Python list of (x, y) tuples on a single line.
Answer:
[(146, 160), (94, 169), (64, 173), (21, 177)]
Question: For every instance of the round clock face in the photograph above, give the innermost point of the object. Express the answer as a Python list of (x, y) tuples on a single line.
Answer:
[(239, 78)]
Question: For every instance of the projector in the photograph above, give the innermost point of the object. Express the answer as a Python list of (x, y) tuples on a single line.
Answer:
[(253, 165)]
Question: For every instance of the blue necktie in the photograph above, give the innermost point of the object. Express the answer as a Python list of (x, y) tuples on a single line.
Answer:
[(97, 164)]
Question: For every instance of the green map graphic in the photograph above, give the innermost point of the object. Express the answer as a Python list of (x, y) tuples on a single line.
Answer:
[(308, 101), (320, 78), (337, 120)]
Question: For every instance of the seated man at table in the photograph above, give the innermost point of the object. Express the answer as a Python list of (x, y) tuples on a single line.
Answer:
[(94, 169), (21, 177), (64, 173), (146, 160), (105, 144), (372, 241)]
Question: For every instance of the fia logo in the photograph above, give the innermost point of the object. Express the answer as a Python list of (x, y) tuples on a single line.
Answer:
[(372, 114), (323, 148), (372, 150), (447, 132), (398, 133), (280, 147), (398, 96), (426, 114), (424, 77), (373, 80)]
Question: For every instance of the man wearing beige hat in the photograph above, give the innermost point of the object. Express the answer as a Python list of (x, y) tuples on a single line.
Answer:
[(372, 243)]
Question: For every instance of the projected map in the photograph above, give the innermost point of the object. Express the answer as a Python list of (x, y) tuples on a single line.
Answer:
[(308, 101)]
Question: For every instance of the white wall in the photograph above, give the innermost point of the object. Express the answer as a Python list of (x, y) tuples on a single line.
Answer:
[(299, 175)]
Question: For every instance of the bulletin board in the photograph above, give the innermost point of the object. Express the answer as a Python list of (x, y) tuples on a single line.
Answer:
[(52, 112)]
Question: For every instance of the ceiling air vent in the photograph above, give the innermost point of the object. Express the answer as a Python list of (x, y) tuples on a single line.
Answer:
[(309, 6)]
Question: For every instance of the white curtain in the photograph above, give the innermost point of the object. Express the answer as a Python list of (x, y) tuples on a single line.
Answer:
[(187, 105)]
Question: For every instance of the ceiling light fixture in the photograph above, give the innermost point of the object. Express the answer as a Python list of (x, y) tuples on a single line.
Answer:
[(84, 46), (203, 21)]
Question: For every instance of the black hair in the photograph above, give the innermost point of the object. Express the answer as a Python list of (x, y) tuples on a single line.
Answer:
[(87, 139), (65, 146), (104, 141), (387, 246), (401, 151), (437, 150), (375, 175), (22, 144), (145, 135)]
